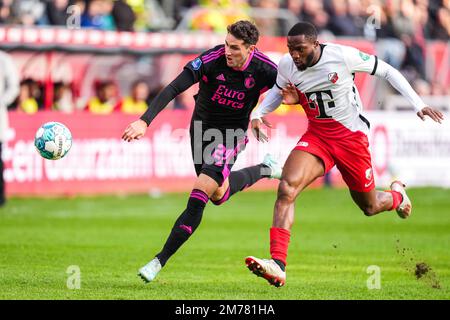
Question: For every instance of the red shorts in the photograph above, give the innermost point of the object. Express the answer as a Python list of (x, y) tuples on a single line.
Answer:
[(350, 155)]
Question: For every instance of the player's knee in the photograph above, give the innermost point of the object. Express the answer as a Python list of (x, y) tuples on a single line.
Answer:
[(220, 196), (287, 191)]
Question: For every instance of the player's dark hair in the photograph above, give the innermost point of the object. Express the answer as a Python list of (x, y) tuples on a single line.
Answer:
[(304, 28), (244, 30)]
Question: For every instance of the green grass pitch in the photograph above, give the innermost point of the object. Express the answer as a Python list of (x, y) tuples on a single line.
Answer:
[(332, 246)]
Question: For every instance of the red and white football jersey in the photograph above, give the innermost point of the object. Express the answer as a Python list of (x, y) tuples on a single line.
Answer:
[(327, 90)]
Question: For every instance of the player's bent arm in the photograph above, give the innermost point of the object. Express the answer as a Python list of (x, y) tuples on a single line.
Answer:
[(137, 129), (398, 81), (271, 102), (181, 83)]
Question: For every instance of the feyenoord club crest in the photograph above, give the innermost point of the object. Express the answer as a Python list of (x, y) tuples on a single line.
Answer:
[(249, 82), (333, 77)]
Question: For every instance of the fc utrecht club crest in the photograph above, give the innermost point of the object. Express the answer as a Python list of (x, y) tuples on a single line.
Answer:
[(333, 77), (249, 82)]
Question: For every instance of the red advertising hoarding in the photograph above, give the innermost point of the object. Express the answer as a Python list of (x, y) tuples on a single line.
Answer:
[(100, 162)]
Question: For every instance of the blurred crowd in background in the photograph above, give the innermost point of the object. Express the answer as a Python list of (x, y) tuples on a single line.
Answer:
[(429, 18), (105, 100), (400, 28)]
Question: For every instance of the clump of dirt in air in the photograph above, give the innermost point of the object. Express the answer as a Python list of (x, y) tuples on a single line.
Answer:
[(421, 270)]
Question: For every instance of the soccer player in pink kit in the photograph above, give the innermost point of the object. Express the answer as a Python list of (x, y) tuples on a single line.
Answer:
[(320, 78)]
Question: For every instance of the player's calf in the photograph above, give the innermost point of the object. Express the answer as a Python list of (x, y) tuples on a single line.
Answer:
[(376, 206), (374, 202)]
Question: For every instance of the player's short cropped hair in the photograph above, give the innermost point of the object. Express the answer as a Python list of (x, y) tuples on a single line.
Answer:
[(304, 28), (244, 30)]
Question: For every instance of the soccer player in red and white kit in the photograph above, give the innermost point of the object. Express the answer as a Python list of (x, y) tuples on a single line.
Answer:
[(320, 78)]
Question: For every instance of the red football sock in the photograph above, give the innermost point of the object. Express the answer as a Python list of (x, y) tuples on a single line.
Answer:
[(279, 242), (397, 198)]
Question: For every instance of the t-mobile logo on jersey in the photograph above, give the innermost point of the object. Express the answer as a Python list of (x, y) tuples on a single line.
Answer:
[(224, 96), (317, 101)]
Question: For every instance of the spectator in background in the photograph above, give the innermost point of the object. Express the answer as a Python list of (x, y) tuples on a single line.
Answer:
[(29, 94), (314, 12), (104, 100), (180, 8), (268, 26), (340, 22), (389, 48), (123, 15), (56, 12), (441, 21), (387, 14), (295, 6), (404, 19), (98, 15), (408, 29), (9, 88), (28, 12), (210, 18), (63, 99), (237, 10), (141, 14), (5, 11), (359, 13), (135, 103), (81, 4), (217, 14)]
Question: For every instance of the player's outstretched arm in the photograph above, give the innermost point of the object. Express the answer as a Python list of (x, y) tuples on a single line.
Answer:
[(398, 81), (137, 129)]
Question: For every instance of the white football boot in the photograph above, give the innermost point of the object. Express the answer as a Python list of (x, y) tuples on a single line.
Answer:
[(150, 270), (268, 269), (405, 207), (275, 168)]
